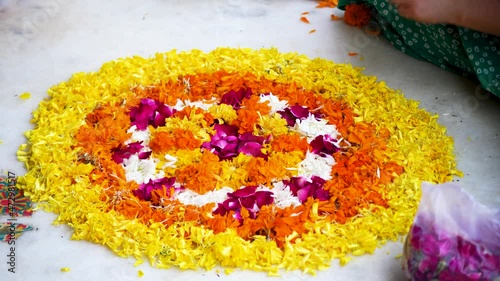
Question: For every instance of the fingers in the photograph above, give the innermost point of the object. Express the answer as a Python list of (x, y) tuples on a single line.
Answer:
[(400, 2), (403, 7)]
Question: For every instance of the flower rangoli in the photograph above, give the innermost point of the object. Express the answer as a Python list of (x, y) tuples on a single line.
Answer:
[(240, 158)]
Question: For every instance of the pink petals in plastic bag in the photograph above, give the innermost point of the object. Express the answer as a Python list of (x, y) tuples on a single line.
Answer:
[(453, 238)]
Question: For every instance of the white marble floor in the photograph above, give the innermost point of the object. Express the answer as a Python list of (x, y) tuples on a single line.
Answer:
[(43, 42)]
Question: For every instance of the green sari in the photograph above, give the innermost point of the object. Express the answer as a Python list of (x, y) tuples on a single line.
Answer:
[(460, 50)]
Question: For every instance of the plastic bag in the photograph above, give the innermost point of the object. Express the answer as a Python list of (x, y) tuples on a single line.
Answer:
[(453, 237)]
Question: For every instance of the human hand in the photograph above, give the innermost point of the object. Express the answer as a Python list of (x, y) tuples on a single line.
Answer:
[(428, 11)]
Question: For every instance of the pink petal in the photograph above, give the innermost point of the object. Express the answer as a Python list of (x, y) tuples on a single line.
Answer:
[(322, 194), (324, 145), (303, 194), (225, 130), (134, 147), (158, 120), (164, 110), (303, 188), (150, 112), (288, 116), (232, 204), (221, 143), (145, 155), (264, 198), (252, 148), (167, 182), (301, 112), (221, 210), (122, 153), (249, 137), (244, 192), (248, 202), (226, 155), (119, 156), (237, 215), (145, 189), (234, 98)]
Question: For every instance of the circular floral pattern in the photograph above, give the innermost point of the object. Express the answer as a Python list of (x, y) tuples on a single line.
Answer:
[(237, 158)]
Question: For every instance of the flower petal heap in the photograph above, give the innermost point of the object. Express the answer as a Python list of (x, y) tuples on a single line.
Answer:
[(293, 113), (304, 188), (248, 198), (251, 159), (227, 143), (235, 98), (324, 145), (145, 189), (150, 112), (121, 153)]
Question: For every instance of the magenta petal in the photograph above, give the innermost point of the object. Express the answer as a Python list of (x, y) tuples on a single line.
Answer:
[(317, 145), (119, 156), (235, 98), (237, 215), (292, 113), (428, 264), (122, 153), (164, 110), (145, 155), (491, 262), (416, 232), (167, 182), (221, 143), (145, 189), (429, 245), (245, 191), (232, 204), (249, 137), (295, 184), (299, 111), (288, 116), (228, 147), (252, 214), (248, 202), (226, 130), (158, 120), (139, 194), (141, 115), (264, 198), (149, 103), (251, 148), (317, 181), (303, 194), (226, 155), (134, 147), (150, 112), (227, 143), (207, 145), (221, 210), (322, 195), (246, 197), (303, 188), (324, 145)]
